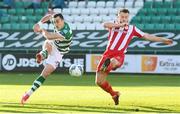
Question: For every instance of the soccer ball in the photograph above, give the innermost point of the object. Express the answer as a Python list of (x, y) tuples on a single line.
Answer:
[(76, 70)]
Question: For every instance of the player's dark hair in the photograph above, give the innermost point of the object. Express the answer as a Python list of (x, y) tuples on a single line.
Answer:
[(59, 15), (124, 11)]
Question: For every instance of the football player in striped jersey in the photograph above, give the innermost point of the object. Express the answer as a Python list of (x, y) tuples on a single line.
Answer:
[(57, 44), (120, 35)]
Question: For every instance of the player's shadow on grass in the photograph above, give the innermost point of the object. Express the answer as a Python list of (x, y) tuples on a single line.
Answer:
[(115, 80), (52, 108)]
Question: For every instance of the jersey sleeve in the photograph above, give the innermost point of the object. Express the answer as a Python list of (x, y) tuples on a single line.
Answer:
[(138, 32)]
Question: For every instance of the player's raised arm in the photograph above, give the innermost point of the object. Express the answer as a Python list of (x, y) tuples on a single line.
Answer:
[(52, 36), (157, 39), (110, 25), (44, 19), (150, 37)]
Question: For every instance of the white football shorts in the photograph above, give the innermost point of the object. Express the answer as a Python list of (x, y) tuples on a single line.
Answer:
[(55, 57)]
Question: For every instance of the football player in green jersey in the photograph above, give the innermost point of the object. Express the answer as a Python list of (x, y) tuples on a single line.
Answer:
[(57, 43)]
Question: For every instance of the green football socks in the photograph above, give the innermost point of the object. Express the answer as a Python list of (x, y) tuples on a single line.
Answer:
[(36, 84)]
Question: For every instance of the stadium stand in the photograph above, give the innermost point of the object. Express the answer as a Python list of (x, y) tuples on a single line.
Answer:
[(161, 15), (85, 14)]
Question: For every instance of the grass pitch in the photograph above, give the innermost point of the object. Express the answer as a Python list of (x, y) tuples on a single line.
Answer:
[(66, 94)]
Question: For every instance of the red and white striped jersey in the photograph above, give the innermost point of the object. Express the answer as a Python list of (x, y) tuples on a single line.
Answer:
[(120, 38)]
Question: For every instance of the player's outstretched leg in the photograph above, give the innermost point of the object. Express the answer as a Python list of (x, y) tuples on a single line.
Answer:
[(36, 84), (106, 86), (48, 69), (105, 65)]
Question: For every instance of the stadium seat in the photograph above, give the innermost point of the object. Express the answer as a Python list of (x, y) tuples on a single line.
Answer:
[(97, 19), (90, 26), (99, 27), (151, 12), (81, 26), (94, 12), (100, 4), (78, 19), (4, 19), (45, 4), (91, 4), (169, 26), (81, 4), (162, 11), (66, 11), (57, 10), (146, 19), (149, 27), (31, 25), (137, 19), (142, 12), (165, 19), (14, 19), (178, 11), (177, 27), (176, 4), (38, 18), (20, 11), (29, 12), (12, 11), (133, 11), (158, 5), (140, 26), (19, 4), (6, 26), (167, 5), (149, 0), (138, 4), (72, 26), (109, 4), (169, 0), (158, 0), (155, 19), (158, 26), (106, 18), (119, 4), (84, 11), (73, 4), (148, 4), (24, 26), (39, 11), (129, 4), (75, 11), (103, 11), (112, 11), (69, 19), (171, 12), (4, 11), (15, 26), (31, 19), (87, 19), (23, 18), (176, 19)]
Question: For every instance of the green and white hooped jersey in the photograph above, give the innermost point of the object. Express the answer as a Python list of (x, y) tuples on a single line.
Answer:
[(64, 46)]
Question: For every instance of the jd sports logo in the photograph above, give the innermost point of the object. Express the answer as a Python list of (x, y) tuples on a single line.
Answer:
[(9, 62)]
